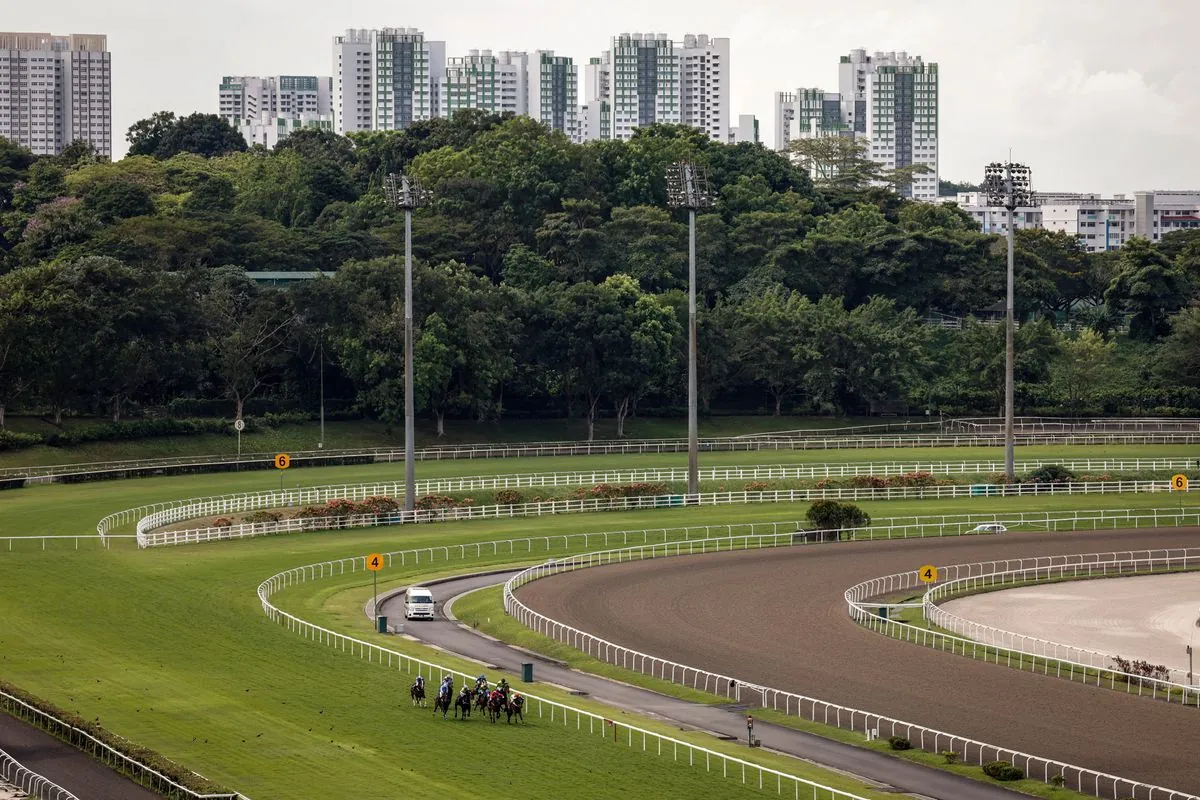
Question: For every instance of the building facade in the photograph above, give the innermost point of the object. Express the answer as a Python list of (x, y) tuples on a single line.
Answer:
[(704, 93), (553, 83), (384, 79), (480, 80), (252, 97), (746, 130), (55, 90), (888, 99), (269, 131)]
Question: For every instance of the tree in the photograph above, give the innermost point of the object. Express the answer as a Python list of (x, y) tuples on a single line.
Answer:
[(14, 163), (146, 135), (1149, 287), (1083, 370), (837, 161), (772, 342), (832, 517), (246, 329), (205, 135), (119, 200), (1177, 361)]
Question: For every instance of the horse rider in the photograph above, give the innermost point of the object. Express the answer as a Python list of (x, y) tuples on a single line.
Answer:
[(502, 687), (420, 684), (447, 686), (481, 684)]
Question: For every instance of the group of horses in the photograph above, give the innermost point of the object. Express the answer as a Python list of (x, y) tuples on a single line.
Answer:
[(492, 702)]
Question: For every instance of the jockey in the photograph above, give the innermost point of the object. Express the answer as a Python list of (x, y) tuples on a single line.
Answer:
[(481, 683), (447, 686), (502, 687), (421, 682)]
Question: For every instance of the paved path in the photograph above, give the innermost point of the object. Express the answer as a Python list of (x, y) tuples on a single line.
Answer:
[(722, 720), (71, 769)]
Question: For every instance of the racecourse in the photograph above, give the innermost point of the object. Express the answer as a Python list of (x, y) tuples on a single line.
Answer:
[(778, 618), (170, 648)]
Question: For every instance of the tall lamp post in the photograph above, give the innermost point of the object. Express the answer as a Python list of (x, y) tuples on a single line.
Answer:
[(1008, 185), (687, 187), (406, 192)]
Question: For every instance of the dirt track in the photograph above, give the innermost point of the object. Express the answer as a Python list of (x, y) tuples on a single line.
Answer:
[(778, 618)]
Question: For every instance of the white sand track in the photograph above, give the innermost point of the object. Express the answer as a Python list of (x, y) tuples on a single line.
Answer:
[(1151, 617)]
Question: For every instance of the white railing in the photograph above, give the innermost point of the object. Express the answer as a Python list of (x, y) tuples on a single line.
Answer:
[(7, 542), (82, 740), (547, 710), (789, 703), (148, 536), (863, 611), (1073, 567), (300, 496), (30, 782), (768, 442)]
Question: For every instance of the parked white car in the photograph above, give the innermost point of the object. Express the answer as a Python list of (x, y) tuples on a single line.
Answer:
[(989, 527)]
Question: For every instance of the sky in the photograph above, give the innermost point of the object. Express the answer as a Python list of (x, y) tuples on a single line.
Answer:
[(1095, 96)]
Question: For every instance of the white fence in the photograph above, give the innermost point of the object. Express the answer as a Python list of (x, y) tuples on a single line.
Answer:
[(28, 781), (82, 740), (768, 442), (546, 710), (1005, 574), (863, 611), (7, 542), (972, 751), (311, 495), (148, 536)]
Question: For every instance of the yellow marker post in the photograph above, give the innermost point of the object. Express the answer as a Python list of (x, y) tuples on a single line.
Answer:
[(375, 563), (282, 462), (927, 573), (1179, 483)]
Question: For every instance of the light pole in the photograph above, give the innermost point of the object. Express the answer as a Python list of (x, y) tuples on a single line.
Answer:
[(405, 191), (687, 187), (1008, 185)]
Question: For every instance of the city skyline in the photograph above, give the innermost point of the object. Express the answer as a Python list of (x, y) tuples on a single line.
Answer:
[(1068, 70)]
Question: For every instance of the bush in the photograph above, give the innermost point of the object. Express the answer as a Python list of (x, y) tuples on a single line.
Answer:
[(915, 479), (834, 515), (1051, 473), (757, 486), (222, 522), (378, 505), (508, 497), (263, 516), (951, 756), (868, 482), (1058, 781), (1002, 771), (899, 743), (11, 440)]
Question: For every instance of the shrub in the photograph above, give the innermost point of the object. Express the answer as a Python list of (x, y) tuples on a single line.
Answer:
[(378, 505), (508, 497), (1002, 771), (263, 516), (915, 479), (1051, 473), (899, 743), (341, 508), (757, 486), (951, 756), (834, 515), (311, 512), (868, 482), (11, 440), (431, 501), (222, 522), (1058, 781)]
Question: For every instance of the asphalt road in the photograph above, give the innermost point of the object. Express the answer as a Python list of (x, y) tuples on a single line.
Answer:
[(778, 618), (71, 769), (884, 770)]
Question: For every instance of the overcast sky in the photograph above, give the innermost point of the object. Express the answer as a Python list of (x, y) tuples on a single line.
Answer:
[(1096, 96)]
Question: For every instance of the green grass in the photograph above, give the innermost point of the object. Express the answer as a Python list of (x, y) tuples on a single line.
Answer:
[(485, 607), (170, 647), (63, 509), (366, 433)]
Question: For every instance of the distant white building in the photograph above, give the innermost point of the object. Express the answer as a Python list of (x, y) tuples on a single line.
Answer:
[(55, 90), (266, 109), (889, 99), (384, 79), (496, 83), (269, 131), (553, 83), (1100, 223), (746, 130)]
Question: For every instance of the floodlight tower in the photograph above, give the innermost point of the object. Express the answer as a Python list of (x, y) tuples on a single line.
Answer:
[(1008, 185), (406, 192), (687, 187)]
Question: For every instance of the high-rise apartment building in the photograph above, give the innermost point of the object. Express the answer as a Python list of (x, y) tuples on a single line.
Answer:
[(889, 99), (553, 91), (493, 83), (385, 79), (248, 97), (647, 78), (55, 90), (746, 130)]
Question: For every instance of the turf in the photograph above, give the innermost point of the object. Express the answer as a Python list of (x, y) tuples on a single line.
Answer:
[(364, 433), (62, 509)]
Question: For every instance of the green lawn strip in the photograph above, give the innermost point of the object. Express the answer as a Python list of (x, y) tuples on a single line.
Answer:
[(340, 607), (365, 433), (74, 509), (486, 606)]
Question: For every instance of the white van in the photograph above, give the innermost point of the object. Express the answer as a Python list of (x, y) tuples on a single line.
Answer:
[(418, 603)]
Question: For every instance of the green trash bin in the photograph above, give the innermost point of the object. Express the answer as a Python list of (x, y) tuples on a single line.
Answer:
[(381, 624), (527, 673), (883, 612)]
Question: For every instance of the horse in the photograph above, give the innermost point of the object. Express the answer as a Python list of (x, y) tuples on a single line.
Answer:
[(495, 706), (417, 693), (463, 703), (442, 703), (515, 708), (481, 700)]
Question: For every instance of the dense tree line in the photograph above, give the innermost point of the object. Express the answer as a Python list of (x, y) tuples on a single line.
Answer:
[(551, 279)]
